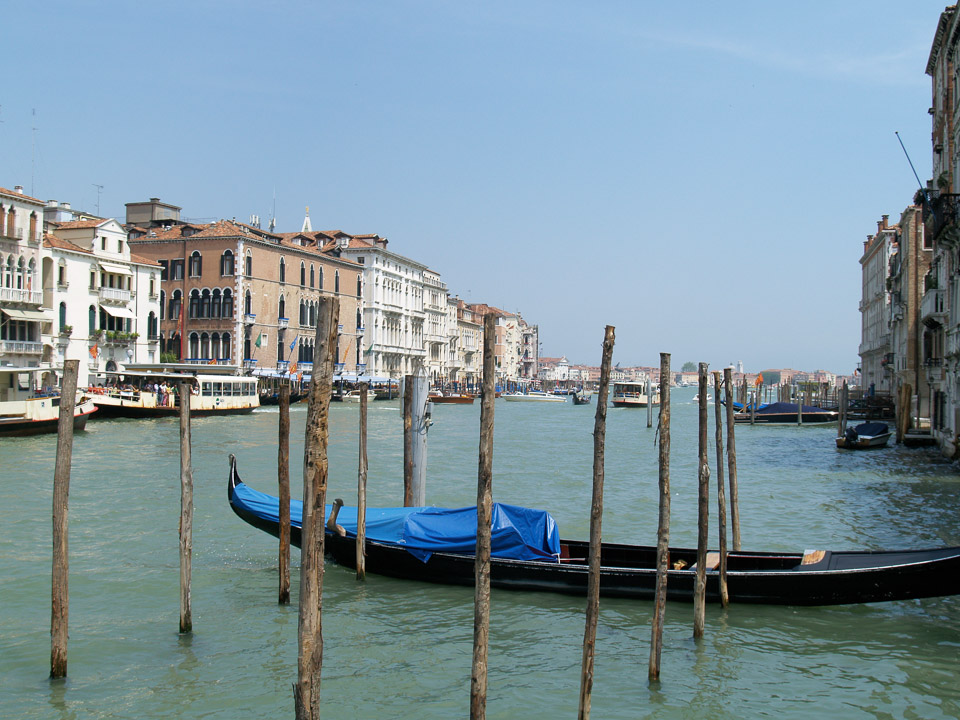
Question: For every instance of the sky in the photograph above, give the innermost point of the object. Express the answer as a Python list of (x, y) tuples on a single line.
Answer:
[(701, 176)]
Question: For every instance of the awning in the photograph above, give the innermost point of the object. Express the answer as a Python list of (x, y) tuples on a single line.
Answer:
[(34, 315), (115, 269), (118, 312)]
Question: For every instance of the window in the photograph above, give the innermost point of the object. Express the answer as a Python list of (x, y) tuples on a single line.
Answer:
[(164, 269), (163, 299), (63, 316), (215, 304), (194, 310), (177, 269), (320, 284), (336, 282), (176, 299), (359, 318), (311, 276), (283, 270), (248, 304), (226, 263), (281, 308), (62, 274), (120, 246), (196, 264), (303, 313), (204, 346), (205, 305), (153, 285), (103, 243), (215, 345), (92, 320), (359, 286), (194, 345), (248, 267), (227, 304), (152, 326), (225, 347), (303, 274)]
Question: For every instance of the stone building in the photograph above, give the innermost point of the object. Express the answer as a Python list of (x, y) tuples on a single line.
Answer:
[(875, 307), (25, 326)]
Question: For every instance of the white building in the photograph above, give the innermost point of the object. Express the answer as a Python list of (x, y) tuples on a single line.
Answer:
[(466, 345), (393, 307), (875, 307), (104, 300), (436, 334), (23, 319)]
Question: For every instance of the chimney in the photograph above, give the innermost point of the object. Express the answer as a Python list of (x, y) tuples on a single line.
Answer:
[(18, 189), (885, 218)]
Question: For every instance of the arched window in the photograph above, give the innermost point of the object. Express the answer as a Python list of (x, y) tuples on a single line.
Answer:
[(246, 348), (226, 349), (215, 303), (226, 263), (282, 308), (92, 320), (359, 318), (303, 274), (194, 345), (303, 313), (311, 276), (204, 346), (21, 270), (215, 345), (152, 326), (359, 286), (63, 315), (8, 273), (205, 304), (227, 304), (194, 309), (248, 304), (163, 301), (283, 270), (176, 300), (336, 282), (248, 265), (320, 278), (313, 314), (196, 264)]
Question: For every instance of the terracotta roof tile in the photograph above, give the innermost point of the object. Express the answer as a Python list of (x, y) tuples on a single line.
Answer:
[(20, 196), (80, 224), (52, 241)]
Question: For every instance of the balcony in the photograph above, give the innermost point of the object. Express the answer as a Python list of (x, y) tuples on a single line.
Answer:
[(933, 308), (114, 295), (944, 211), (249, 318), (19, 347), (29, 297), (283, 323)]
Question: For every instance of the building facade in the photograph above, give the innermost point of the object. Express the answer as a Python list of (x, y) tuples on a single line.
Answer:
[(23, 319), (875, 307)]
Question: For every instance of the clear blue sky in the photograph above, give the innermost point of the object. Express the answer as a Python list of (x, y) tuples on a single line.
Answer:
[(699, 175)]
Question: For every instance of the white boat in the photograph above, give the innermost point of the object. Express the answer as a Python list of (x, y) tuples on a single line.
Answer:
[(633, 394), (151, 391), (25, 411), (865, 436), (354, 396), (534, 396)]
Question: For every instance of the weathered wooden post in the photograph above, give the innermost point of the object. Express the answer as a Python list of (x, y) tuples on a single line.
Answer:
[(59, 585), (186, 510), (842, 403), (649, 390), (419, 426), (799, 405), (732, 460), (753, 407), (306, 692), (703, 514), (721, 492), (283, 480), (596, 520), (362, 488), (408, 440), (663, 524), (481, 599)]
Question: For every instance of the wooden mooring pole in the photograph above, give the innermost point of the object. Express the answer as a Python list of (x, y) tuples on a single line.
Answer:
[(362, 488), (732, 459), (649, 404), (663, 524), (721, 491), (408, 440), (59, 585), (306, 692), (481, 598), (703, 513), (186, 510), (596, 520), (283, 480)]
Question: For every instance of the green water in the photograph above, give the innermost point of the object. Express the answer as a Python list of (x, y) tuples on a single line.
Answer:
[(395, 649)]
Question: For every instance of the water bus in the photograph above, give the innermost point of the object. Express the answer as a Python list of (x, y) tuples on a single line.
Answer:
[(633, 394), (26, 410)]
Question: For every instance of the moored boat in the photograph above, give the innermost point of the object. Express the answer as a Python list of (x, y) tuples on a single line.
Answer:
[(24, 411), (865, 436), (534, 396), (436, 545), (581, 397), (785, 412), (354, 396), (449, 398)]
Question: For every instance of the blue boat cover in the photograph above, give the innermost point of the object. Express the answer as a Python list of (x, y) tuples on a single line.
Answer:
[(517, 533), (778, 408), (871, 429)]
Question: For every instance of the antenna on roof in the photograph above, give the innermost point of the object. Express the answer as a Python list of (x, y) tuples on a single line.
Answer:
[(273, 216), (926, 198), (99, 189)]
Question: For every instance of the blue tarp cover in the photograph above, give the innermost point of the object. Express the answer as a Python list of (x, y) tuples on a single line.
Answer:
[(517, 533), (871, 429), (785, 407)]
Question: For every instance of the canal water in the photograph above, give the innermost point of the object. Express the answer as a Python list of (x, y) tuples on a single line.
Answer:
[(397, 649)]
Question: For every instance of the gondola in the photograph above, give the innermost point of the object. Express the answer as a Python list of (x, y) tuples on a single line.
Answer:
[(865, 436), (409, 543)]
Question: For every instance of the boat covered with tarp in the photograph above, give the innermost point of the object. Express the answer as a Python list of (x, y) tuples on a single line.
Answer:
[(437, 545), (786, 412), (865, 436)]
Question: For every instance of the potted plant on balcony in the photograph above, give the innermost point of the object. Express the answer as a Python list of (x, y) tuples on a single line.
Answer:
[(66, 330)]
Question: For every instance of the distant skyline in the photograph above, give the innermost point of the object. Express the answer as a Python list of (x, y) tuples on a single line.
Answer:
[(702, 177)]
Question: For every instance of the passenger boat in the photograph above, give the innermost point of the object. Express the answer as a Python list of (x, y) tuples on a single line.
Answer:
[(784, 412), (865, 436), (450, 398), (534, 396), (633, 394), (354, 396), (150, 390), (24, 411), (437, 545)]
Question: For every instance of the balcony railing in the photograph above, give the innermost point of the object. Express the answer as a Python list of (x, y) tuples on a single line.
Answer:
[(108, 294), (30, 297), (20, 347), (249, 318), (283, 322), (932, 307)]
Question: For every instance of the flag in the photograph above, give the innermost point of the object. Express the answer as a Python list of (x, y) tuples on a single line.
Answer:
[(294, 343), (300, 376), (213, 361), (94, 351), (293, 367), (759, 380), (259, 338)]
